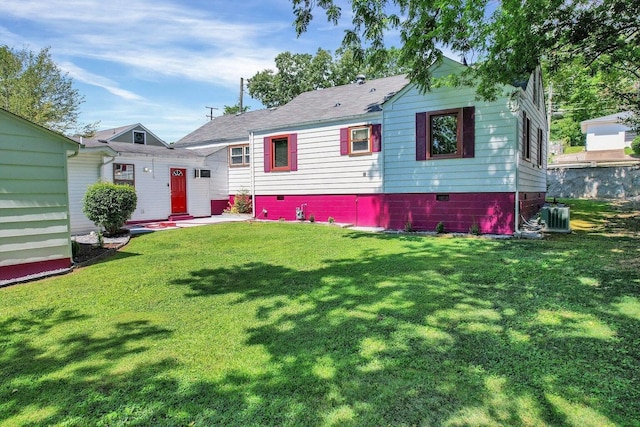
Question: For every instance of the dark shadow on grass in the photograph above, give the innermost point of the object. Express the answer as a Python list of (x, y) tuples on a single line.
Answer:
[(429, 337)]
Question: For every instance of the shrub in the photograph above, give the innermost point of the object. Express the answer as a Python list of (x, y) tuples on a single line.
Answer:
[(331, 220), (109, 205), (635, 145), (474, 229), (241, 203), (408, 227), (440, 228), (75, 249)]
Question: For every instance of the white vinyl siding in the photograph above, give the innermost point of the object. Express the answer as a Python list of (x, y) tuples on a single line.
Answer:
[(219, 181), (153, 186), (531, 176), (492, 169), (84, 170), (321, 167)]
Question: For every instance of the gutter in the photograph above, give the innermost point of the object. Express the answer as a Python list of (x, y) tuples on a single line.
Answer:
[(252, 173), (517, 165)]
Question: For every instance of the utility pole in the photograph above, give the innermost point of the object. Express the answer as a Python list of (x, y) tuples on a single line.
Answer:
[(210, 116), (241, 110)]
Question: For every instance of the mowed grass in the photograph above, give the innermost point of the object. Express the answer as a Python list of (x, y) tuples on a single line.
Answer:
[(307, 324)]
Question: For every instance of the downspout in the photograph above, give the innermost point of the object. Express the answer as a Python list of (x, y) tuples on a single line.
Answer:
[(252, 173), (517, 165)]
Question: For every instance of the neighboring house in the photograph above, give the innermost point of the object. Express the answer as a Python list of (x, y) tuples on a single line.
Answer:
[(381, 153), (171, 183), (34, 203), (608, 132)]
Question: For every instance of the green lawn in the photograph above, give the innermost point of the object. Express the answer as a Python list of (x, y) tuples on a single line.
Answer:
[(308, 324)]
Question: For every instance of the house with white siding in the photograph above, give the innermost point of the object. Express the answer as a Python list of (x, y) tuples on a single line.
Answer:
[(34, 203), (608, 132), (225, 140), (382, 153), (171, 183)]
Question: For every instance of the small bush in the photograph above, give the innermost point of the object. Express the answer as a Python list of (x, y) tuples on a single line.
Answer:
[(75, 249), (331, 220), (312, 218), (635, 145), (241, 203), (440, 228), (408, 227), (109, 205), (475, 229)]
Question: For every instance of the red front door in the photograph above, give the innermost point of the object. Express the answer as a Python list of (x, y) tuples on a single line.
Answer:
[(178, 191)]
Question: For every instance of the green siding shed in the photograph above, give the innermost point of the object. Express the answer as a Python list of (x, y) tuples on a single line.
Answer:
[(34, 203)]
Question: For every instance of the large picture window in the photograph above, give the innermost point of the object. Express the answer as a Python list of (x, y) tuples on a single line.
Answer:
[(124, 174), (281, 153), (239, 155), (445, 134)]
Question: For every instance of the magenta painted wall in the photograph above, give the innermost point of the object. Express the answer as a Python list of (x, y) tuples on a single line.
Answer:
[(218, 206), (530, 204), (21, 270), (493, 212)]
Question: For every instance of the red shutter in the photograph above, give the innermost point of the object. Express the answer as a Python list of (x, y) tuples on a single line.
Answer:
[(344, 141), (267, 154), (468, 131), (421, 136), (376, 138), (524, 134), (293, 152)]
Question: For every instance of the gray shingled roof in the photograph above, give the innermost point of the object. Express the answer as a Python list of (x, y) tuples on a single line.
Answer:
[(130, 148), (315, 106), (337, 102), (227, 128)]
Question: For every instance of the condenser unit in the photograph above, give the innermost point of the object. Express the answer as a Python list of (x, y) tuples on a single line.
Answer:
[(555, 218)]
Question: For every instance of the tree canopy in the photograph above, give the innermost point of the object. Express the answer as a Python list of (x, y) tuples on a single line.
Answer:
[(301, 72), (503, 40), (32, 86)]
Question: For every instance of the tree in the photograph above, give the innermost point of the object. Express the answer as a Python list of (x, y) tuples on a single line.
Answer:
[(505, 40), (234, 109), (580, 94), (298, 73), (32, 86)]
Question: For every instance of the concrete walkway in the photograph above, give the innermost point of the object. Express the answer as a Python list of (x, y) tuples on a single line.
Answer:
[(150, 227)]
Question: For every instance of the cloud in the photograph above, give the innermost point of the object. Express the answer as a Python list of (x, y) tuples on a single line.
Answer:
[(85, 76), (154, 38)]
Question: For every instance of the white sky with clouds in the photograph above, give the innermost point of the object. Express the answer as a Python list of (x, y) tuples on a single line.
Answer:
[(161, 62)]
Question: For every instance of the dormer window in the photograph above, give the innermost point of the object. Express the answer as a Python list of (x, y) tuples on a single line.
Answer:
[(139, 137)]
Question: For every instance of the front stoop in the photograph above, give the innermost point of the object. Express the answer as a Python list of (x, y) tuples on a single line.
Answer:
[(180, 217)]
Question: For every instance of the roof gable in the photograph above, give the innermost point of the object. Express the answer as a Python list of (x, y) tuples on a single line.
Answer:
[(125, 134), (36, 127)]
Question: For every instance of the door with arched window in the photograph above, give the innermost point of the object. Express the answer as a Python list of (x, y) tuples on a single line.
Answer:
[(178, 191)]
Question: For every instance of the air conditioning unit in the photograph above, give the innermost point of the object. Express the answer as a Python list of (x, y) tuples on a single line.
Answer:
[(555, 218), (202, 173)]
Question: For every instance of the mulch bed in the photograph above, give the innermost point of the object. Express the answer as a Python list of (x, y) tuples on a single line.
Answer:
[(91, 252)]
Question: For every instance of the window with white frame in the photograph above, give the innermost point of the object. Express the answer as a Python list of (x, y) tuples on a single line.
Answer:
[(360, 140), (124, 174), (239, 155)]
